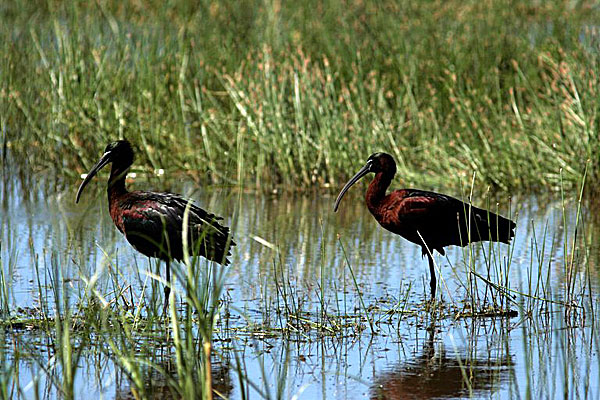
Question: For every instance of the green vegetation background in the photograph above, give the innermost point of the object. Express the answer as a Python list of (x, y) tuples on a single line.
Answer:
[(298, 94)]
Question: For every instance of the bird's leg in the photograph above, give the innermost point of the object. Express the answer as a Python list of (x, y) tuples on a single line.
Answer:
[(167, 287), (432, 283)]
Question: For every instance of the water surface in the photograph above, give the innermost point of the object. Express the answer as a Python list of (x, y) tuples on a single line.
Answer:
[(296, 245)]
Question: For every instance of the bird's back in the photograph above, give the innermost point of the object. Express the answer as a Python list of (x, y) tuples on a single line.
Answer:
[(440, 220), (154, 223)]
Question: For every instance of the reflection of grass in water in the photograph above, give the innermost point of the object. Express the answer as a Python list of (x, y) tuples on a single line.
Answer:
[(133, 341), (298, 92), (125, 327)]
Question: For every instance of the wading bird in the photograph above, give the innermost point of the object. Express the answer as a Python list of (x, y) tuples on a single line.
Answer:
[(153, 222), (431, 220)]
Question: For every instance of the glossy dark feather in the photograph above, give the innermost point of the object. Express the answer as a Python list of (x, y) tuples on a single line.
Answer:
[(440, 220), (153, 224)]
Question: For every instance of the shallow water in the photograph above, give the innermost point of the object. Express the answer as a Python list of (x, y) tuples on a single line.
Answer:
[(297, 245)]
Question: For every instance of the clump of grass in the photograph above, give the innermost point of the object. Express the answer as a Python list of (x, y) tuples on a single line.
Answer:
[(299, 92), (535, 295)]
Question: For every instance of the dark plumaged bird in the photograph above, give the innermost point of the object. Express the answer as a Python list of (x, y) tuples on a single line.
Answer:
[(153, 222), (431, 220)]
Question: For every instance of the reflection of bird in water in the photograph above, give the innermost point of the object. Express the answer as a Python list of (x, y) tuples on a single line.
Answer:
[(432, 375), (157, 386)]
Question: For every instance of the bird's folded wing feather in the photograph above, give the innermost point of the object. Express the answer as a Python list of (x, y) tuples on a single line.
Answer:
[(153, 212), (417, 204)]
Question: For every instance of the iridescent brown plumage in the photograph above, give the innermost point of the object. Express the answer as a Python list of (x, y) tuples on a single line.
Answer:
[(153, 222), (431, 220)]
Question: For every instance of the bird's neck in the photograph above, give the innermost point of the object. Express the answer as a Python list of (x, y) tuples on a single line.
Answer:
[(116, 183), (377, 189)]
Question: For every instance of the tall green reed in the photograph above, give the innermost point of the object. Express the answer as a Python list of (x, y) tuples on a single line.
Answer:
[(297, 99)]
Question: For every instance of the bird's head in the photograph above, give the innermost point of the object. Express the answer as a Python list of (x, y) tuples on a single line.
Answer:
[(120, 153), (377, 162), (381, 162)]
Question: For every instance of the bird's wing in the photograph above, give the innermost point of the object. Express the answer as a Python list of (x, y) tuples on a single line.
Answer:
[(415, 204), (158, 218), (173, 207), (145, 214), (152, 213), (444, 220), (145, 226), (200, 221)]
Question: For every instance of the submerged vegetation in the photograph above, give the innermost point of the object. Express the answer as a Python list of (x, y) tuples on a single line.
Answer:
[(293, 94)]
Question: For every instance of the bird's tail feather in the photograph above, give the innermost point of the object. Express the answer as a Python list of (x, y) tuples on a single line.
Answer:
[(486, 225), (213, 241)]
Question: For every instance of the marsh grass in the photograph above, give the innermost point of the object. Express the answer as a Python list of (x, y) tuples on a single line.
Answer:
[(488, 289), (290, 95)]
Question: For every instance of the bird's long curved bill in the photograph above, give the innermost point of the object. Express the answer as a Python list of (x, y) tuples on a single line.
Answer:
[(105, 159), (363, 171)]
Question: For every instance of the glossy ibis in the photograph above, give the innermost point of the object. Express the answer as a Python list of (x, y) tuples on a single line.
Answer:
[(431, 220), (153, 222)]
